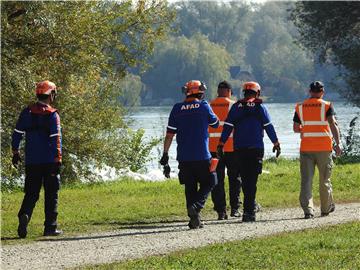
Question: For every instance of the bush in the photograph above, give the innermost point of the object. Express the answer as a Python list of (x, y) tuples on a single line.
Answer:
[(351, 143)]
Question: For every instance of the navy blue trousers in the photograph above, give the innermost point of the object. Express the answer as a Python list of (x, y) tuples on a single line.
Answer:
[(218, 193), (36, 176), (250, 165), (198, 181)]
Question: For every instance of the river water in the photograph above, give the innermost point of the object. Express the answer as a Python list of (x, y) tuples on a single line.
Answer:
[(154, 121)]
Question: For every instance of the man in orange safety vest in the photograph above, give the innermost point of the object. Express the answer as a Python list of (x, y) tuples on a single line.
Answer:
[(314, 120), (221, 106)]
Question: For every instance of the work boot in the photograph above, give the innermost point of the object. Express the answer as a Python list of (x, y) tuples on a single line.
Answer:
[(222, 215), (22, 228), (309, 216), (235, 213), (54, 232), (248, 217), (195, 220), (332, 209)]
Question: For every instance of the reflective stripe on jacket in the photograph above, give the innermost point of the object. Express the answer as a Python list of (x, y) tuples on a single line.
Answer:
[(315, 133), (221, 107)]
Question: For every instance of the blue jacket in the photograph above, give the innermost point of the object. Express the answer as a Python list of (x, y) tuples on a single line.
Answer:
[(41, 125), (190, 121), (248, 119)]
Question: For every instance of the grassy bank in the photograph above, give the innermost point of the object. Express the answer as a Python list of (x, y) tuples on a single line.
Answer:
[(327, 248), (105, 206)]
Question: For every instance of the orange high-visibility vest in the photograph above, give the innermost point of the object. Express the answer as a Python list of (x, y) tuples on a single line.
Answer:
[(315, 132), (221, 107)]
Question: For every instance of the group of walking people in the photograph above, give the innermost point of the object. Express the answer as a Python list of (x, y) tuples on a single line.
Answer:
[(230, 135), (210, 138)]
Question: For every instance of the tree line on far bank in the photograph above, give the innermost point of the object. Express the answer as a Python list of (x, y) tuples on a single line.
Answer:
[(262, 40)]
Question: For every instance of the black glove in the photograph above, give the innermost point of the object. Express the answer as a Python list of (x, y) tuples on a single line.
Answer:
[(220, 151), (277, 149), (164, 159), (16, 159), (166, 171), (55, 170)]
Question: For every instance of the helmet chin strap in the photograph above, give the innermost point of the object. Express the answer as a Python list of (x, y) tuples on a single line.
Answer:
[(52, 96)]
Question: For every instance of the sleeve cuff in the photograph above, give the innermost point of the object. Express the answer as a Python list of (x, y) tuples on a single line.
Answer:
[(170, 131)]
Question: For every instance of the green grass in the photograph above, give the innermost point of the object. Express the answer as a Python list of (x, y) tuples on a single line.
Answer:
[(105, 206), (334, 247)]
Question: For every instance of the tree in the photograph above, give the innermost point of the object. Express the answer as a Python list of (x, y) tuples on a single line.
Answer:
[(332, 31), (130, 90), (226, 24), (283, 67), (180, 59), (83, 47)]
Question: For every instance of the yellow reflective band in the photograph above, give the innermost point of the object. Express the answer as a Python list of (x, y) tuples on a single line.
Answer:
[(316, 123), (316, 134), (217, 135)]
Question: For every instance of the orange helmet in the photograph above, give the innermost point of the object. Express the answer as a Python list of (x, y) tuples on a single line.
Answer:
[(252, 86), (45, 88), (194, 87)]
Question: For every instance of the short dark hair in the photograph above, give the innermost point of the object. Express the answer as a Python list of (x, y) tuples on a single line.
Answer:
[(316, 87), (198, 96), (249, 93), (224, 85), (42, 97)]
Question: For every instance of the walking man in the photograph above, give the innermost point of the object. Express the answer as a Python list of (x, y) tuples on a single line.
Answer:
[(221, 107), (314, 120), (189, 120), (247, 119), (40, 123)]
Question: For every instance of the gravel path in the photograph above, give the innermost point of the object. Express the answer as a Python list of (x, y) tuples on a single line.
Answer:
[(144, 240)]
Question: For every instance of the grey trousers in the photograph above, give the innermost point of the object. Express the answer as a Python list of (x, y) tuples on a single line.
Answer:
[(324, 163)]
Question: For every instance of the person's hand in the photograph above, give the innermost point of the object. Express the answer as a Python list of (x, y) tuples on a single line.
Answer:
[(277, 148), (338, 150), (55, 170), (166, 171), (16, 159), (220, 151), (164, 159)]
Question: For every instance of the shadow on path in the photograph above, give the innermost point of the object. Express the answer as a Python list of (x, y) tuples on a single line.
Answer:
[(76, 238), (10, 238), (146, 228)]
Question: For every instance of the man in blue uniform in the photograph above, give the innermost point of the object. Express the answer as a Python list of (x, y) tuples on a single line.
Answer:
[(189, 120), (248, 118), (41, 125)]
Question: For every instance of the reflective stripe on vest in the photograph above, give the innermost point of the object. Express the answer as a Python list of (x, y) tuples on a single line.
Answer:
[(221, 107), (218, 135), (315, 132)]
